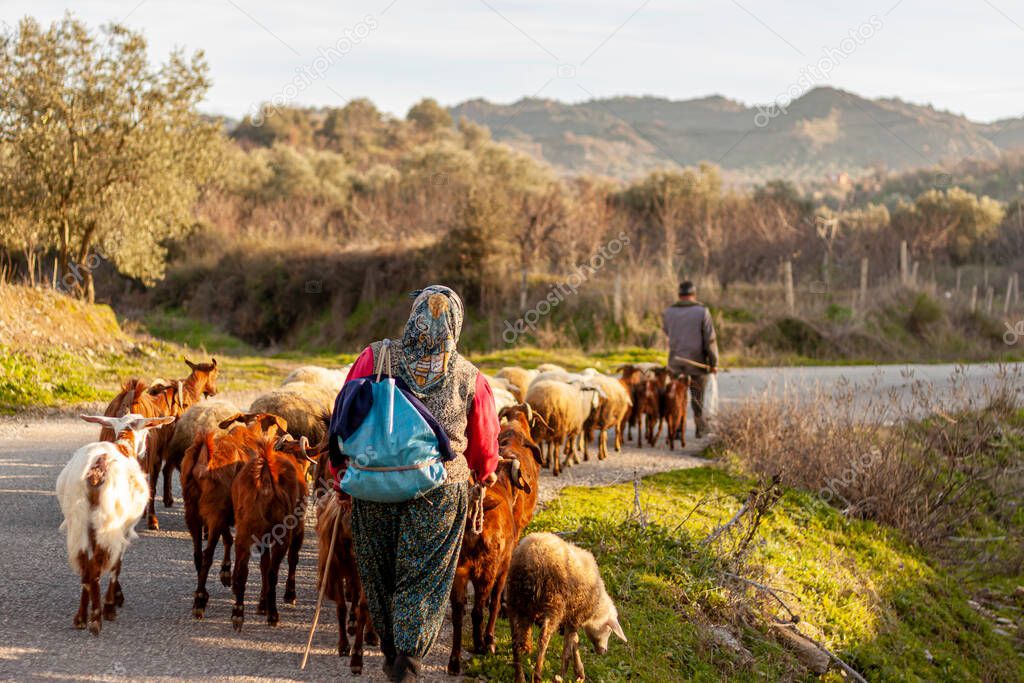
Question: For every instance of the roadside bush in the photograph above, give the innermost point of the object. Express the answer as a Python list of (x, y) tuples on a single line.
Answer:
[(931, 465)]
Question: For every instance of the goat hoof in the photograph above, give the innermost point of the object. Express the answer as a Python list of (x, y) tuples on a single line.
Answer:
[(95, 624), (356, 665), (454, 667), (153, 524), (237, 617), (225, 578), (261, 608), (289, 597), (273, 618), (79, 622), (198, 612), (372, 638), (118, 596), (109, 612)]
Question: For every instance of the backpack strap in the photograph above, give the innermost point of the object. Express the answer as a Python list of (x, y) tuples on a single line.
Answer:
[(384, 361)]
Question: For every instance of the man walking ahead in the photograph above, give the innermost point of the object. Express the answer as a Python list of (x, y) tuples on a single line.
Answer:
[(692, 347)]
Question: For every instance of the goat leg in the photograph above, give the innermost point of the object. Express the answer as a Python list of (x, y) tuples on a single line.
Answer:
[(225, 565), (83, 605), (277, 556), (293, 562), (355, 664), (458, 601), (95, 608), (152, 523), (343, 646), (238, 581), (110, 599), (570, 641), (480, 594), (168, 482), (492, 618), (261, 606), (201, 596)]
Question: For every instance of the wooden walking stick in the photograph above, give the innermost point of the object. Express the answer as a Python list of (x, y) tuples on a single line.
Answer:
[(323, 588)]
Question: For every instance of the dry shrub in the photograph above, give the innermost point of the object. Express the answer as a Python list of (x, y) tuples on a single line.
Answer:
[(931, 463)]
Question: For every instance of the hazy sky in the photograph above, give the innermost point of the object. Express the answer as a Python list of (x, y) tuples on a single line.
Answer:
[(962, 55)]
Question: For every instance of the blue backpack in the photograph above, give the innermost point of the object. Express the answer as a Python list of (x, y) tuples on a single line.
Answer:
[(394, 448)]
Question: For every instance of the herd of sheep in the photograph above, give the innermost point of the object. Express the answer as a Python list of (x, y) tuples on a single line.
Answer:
[(248, 471)]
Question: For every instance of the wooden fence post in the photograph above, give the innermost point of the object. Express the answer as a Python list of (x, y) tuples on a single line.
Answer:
[(974, 299), (864, 283), (990, 296), (787, 279), (904, 264)]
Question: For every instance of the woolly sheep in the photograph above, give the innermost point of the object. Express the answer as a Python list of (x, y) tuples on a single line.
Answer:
[(519, 378), (557, 585), (314, 374), (612, 411), (503, 398), (103, 493), (204, 416), (306, 407), (550, 367), (563, 409)]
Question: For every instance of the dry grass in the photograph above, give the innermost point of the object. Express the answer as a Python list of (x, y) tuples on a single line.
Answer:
[(932, 465)]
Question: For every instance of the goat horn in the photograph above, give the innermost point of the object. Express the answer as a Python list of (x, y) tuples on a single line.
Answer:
[(529, 413), (181, 398), (282, 440)]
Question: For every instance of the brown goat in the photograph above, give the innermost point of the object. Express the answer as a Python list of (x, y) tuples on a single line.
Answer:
[(675, 410), (484, 561), (343, 584), (207, 473), (516, 442), (648, 411), (269, 499), (631, 379), (155, 401)]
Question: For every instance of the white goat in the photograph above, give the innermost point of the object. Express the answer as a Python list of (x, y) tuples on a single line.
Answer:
[(103, 493)]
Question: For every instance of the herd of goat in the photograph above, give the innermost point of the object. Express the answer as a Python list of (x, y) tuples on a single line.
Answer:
[(248, 471)]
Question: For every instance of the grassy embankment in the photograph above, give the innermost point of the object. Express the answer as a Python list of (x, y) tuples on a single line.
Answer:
[(886, 608)]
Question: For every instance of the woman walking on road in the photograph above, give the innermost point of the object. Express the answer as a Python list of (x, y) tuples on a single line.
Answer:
[(407, 552)]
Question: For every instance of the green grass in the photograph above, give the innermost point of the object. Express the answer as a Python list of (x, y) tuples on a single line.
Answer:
[(175, 326), (878, 603), (49, 378)]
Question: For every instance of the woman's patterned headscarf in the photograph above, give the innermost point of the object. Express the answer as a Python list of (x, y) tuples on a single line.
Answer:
[(430, 338)]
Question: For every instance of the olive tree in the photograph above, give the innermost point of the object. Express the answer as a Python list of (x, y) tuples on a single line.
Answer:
[(104, 152)]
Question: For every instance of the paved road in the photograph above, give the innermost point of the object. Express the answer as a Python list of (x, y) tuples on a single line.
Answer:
[(155, 637)]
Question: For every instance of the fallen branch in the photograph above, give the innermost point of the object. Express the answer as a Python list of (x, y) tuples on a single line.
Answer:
[(713, 536), (774, 592), (847, 669)]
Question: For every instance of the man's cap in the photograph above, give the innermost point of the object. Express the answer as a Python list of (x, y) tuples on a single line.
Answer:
[(687, 288)]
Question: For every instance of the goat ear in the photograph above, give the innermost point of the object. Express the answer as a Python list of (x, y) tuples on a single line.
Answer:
[(99, 419), (150, 422), (237, 417), (535, 449), (213, 362), (617, 629)]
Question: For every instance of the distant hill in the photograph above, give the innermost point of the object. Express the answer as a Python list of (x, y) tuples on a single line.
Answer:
[(825, 131)]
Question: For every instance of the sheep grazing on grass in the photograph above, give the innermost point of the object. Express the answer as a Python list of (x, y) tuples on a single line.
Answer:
[(103, 493), (558, 586), (519, 379), (207, 473)]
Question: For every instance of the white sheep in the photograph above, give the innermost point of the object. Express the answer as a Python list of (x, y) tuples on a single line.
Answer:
[(502, 392), (611, 413), (563, 409), (550, 367), (557, 585), (201, 417), (306, 407), (314, 374), (103, 493), (519, 379)]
